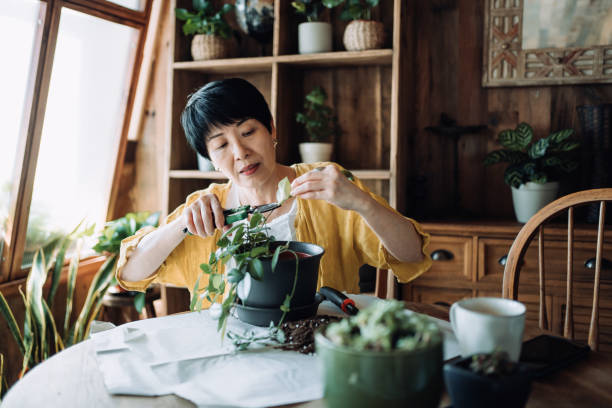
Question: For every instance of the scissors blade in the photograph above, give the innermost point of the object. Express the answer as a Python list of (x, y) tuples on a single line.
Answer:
[(265, 208)]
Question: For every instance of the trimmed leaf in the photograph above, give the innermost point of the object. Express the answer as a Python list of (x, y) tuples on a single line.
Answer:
[(283, 192)]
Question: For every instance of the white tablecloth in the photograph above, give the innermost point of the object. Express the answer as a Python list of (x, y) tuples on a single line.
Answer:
[(184, 355)]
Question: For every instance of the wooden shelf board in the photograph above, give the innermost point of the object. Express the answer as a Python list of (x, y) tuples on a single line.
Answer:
[(263, 64), (196, 174), (215, 175)]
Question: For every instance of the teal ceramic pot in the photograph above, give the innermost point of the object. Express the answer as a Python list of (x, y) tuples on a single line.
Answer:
[(380, 379)]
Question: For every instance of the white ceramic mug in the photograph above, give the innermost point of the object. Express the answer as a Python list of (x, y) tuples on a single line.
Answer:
[(484, 325)]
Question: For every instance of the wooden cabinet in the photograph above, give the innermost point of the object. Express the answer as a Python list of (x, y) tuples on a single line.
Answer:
[(368, 90), (470, 263)]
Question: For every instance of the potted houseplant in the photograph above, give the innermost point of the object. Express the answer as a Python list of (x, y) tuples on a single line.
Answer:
[(263, 279), (487, 380), (321, 126), (382, 357), (536, 166), (362, 33), (212, 34), (314, 35)]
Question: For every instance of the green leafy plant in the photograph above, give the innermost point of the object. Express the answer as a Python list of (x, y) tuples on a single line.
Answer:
[(319, 121), (109, 241), (41, 336), (357, 9), (312, 8), (384, 326), (205, 20), (539, 161)]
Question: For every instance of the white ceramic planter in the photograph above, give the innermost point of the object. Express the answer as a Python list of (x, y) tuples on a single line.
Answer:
[(205, 164), (316, 152), (314, 37), (530, 197)]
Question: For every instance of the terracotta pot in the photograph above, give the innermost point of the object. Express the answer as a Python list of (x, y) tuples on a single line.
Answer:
[(362, 35), (207, 47)]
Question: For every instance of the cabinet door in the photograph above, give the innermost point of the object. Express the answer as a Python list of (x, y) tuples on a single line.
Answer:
[(452, 260)]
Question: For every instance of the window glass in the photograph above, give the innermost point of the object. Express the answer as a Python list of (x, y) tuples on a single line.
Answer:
[(133, 4), (82, 127), (19, 19)]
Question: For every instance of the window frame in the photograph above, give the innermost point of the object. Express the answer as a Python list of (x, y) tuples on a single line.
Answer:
[(33, 116)]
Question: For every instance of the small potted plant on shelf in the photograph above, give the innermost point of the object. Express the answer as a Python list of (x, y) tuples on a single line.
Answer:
[(362, 33), (487, 380), (264, 280), (321, 127), (383, 356), (536, 166), (212, 34), (314, 35)]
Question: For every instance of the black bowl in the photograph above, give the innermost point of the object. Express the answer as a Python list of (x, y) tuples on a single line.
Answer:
[(260, 316), (470, 390)]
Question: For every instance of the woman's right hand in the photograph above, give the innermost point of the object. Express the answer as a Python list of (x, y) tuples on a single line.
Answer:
[(204, 216)]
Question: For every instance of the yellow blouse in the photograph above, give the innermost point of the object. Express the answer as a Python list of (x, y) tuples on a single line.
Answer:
[(345, 236)]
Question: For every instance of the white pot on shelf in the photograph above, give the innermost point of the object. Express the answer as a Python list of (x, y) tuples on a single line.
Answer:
[(205, 164), (314, 37), (530, 197), (316, 152)]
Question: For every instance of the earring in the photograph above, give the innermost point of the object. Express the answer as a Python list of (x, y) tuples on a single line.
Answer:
[(275, 143)]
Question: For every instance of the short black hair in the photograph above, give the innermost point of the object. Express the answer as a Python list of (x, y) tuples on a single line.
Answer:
[(222, 103)]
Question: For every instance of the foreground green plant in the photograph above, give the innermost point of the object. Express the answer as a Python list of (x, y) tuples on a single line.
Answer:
[(205, 20), (319, 120), (538, 161), (312, 8), (384, 326), (357, 9)]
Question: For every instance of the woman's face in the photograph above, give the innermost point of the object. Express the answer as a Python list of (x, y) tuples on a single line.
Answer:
[(244, 152)]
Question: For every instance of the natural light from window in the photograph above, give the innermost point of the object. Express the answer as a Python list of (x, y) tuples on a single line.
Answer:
[(19, 22), (82, 128)]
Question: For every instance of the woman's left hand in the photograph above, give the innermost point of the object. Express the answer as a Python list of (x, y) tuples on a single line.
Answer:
[(331, 185)]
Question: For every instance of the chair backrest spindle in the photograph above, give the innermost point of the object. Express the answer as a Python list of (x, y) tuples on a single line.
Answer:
[(568, 327), (542, 279), (594, 326)]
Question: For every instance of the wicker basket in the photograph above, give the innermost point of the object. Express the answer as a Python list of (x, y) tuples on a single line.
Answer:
[(362, 35), (206, 47)]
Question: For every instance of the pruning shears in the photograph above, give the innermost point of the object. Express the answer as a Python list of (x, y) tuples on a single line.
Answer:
[(233, 215)]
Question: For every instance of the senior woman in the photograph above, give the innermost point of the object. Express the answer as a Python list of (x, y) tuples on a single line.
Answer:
[(230, 122)]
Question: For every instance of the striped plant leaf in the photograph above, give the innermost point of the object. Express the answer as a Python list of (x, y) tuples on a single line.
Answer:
[(560, 136), (538, 149), (539, 177), (528, 169), (101, 281), (503, 155), (72, 274), (524, 134), (57, 338), (513, 176), (34, 296), (568, 166), (568, 145), (509, 139), (552, 161), (12, 323)]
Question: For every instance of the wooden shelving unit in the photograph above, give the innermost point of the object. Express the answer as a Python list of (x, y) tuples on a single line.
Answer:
[(364, 87)]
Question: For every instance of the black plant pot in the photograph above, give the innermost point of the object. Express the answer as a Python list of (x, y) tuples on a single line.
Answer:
[(470, 390), (270, 291)]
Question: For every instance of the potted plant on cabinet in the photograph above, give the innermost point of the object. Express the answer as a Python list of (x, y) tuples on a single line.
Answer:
[(487, 380), (212, 34), (272, 280), (362, 33), (314, 35), (383, 357), (536, 166), (321, 126)]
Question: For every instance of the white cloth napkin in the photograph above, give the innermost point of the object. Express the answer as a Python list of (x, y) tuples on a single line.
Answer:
[(184, 355)]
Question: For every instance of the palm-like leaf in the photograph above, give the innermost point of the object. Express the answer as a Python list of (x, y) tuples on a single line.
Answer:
[(72, 273), (34, 297), (12, 323)]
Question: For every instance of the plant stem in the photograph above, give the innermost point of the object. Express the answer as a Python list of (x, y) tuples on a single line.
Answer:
[(295, 278)]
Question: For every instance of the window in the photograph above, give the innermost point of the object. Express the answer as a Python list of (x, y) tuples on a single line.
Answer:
[(69, 88)]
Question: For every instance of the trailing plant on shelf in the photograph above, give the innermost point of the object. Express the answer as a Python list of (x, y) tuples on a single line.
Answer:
[(539, 161), (205, 20), (312, 9), (319, 120), (357, 9), (241, 249)]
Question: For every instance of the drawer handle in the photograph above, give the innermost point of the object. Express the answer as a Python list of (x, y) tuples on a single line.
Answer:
[(442, 255), (605, 263), (502, 261)]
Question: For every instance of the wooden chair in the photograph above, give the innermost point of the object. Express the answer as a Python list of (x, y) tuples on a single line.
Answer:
[(536, 226)]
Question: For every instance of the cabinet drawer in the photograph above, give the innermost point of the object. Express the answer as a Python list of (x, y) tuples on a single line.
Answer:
[(491, 270), (452, 259), (440, 296)]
